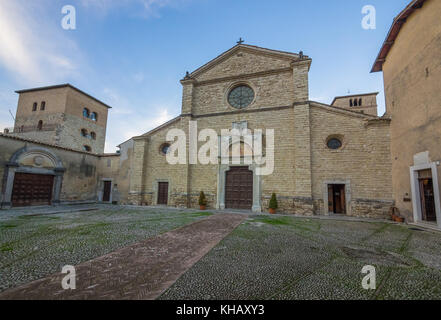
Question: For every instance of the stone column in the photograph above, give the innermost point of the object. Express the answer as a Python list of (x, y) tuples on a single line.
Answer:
[(301, 80), (138, 171), (302, 159), (59, 173), (10, 175), (187, 96)]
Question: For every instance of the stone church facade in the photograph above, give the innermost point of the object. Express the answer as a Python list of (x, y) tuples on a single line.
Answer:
[(327, 158), (310, 175)]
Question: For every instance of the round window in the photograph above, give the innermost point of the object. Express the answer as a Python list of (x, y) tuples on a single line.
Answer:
[(334, 143), (165, 148), (241, 97)]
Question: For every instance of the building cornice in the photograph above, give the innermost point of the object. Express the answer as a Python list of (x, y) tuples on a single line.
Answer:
[(66, 85), (244, 76)]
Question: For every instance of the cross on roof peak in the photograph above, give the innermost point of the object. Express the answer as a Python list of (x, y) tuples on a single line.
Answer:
[(240, 41)]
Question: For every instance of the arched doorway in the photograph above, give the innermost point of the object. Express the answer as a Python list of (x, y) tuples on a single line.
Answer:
[(33, 177)]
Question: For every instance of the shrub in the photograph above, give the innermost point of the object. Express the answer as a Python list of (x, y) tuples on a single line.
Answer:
[(202, 199), (273, 202)]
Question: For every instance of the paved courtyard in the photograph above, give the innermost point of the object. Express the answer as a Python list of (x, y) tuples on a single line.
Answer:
[(265, 257)]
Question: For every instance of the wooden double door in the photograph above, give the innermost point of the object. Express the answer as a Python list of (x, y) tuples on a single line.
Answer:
[(32, 190), (239, 188), (337, 198)]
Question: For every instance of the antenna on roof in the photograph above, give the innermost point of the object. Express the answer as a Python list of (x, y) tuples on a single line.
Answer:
[(10, 112)]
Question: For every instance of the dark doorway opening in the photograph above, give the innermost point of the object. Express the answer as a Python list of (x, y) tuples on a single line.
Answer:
[(107, 191), (163, 193), (427, 196), (337, 198)]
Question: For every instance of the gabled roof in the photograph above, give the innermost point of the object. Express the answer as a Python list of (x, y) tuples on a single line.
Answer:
[(395, 29), (233, 50), (66, 85)]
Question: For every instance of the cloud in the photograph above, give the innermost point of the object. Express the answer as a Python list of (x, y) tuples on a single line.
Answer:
[(129, 126), (145, 8), (30, 44)]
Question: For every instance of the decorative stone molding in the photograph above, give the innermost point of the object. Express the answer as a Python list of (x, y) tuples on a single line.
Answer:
[(23, 161)]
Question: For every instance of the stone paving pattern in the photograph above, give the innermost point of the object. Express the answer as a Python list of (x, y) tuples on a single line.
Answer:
[(140, 271), (34, 245), (266, 257), (292, 258)]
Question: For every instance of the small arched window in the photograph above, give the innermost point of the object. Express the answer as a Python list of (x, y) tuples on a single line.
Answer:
[(34, 107), (355, 103), (84, 132), (93, 135), (40, 125), (86, 113), (360, 102), (43, 106), (94, 116), (350, 103), (87, 148)]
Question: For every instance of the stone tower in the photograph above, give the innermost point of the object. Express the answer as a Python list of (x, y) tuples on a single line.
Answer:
[(61, 115), (365, 103)]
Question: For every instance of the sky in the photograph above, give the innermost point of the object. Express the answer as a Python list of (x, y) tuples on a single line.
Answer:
[(131, 54)]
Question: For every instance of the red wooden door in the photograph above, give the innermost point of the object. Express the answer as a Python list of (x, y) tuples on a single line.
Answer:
[(163, 193), (239, 188), (32, 189)]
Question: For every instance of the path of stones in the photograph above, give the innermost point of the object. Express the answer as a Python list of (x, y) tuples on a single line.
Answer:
[(142, 271)]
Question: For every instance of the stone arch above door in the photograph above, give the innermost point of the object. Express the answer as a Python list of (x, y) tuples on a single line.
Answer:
[(33, 161), (36, 157)]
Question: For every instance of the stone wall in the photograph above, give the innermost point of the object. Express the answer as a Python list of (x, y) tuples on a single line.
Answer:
[(303, 163), (79, 182), (363, 163), (412, 80)]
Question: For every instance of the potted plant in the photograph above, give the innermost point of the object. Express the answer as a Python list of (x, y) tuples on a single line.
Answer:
[(273, 205), (202, 201), (396, 216)]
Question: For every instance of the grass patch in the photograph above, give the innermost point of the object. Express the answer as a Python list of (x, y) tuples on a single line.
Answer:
[(277, 221), (6, 247), (8, 226), (300, 224)]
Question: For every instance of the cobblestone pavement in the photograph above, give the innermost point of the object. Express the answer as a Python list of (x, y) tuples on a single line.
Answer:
[(140, 271), (287, 258), (35, 243)]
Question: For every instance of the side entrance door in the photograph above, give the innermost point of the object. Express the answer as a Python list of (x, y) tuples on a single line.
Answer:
[(107, 191), (32, 190), (163, 193), (239, 189), (427, 200), (336, 199)]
